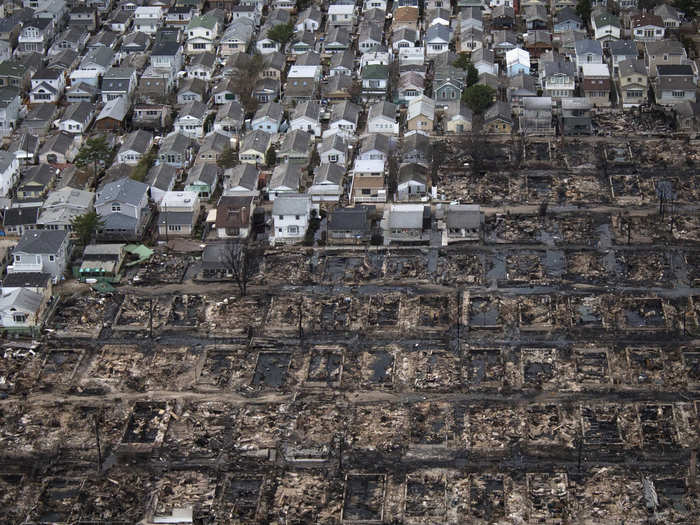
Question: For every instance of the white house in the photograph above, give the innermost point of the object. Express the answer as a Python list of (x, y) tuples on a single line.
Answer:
[(47, 86), (327, 185), (202, 32), (77, 117), (268, 117), (135, 146), (437, 39), (382, 118), (290, 214), (517, 61), (148, 19), (191, 119), (9, 172), (20, 308), (306, 117), (44, 251), (341, 15)]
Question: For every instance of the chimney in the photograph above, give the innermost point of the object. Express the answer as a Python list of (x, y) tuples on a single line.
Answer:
[(244, 214)]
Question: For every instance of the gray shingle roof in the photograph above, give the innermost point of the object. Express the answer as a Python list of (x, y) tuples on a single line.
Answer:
[(329, 173), (244, 175), (291, 205), (41, 241), (21, 299), (123, 190), (139, 141), (285, 175), (115, 109), (205, 172), (161, 177), (78, 111)]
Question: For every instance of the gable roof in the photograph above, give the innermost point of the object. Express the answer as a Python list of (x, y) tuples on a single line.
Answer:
[(232, 211), (328, 173), (294, 204), (139, 141), (243, 175), (21, 299), (382, 109), (309, 109), (273, 110), (41, 241), (123, 190), (116, 109), (333, 142), (175, 141), (205, 172), (256, 140), (296, 140), (345, 111), (286, 175), (78, 111)]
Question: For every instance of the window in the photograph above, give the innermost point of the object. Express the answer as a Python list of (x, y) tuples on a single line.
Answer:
[(296, 217), (52, 258), (174, 227), (678, 94), (116, 208), (294, 230), (18, 258), (19, 318)]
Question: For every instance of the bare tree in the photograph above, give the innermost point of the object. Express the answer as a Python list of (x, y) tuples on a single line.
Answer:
[(238, 261)]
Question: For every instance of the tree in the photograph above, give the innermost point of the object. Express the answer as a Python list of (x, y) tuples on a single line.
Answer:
[(462, 61), (270, 158), (227, 159), (281, 33), (238, 261), (478, 97), (96, 151), (85, 225), (583, 9), (688, 7), (144, 166), (472, 75), (247, 79)]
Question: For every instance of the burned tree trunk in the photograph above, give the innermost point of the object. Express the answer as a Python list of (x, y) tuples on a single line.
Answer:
[(238, 261)]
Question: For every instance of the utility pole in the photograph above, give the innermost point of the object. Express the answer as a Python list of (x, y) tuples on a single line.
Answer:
[(150, 318)]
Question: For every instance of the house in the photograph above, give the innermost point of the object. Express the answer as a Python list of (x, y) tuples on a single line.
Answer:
[(368, 182), (178, 213), (104, 38), (369, 38), (166, 55), (136, 42), (81, 92), (10, 104), (458, 118), (25, 148), (404, 38), (327, 185), (413, 182), (334, 149), (60, 148), (439, 16), (296, 147), (520, 87), (202, 32), (237, 37), (290, 215), (136, 144), (342, 63), (62, 206), (203, 178), (576, 116), (213, 146), (268, 117), (302, 43), (647, 26), (670, 16), (77, 118), (411, 85), (437, 39), (558, 79), (102, 261), (160, 180), (536, 118), (405, 17), (498, 119), (35, 36), (191, 118), (663, 52), (241, 180), (566, 19), (202, 66), (633, 83), (337, 89), (22, 309), (36, 182), (192, 90), (420, 115), (537, 42), (503, 40), (118, 82), (687, 114), (620, 51), (123, 207), (234, 214), (502, 18), (375, 81), (39, 119), (43, 251), (337, 41), (416, 148), (175, 150), (267, 90), (309, 19), (73, 38), (264, 44), (535, 17), (148, 19), (302, 82), (306, 117), (113, 115), (120, 21), (381, 118), (37, 282), (286, 178), (349, 226), (225, 90), (93, 66), (463, 222), (254, 147), (596, 84), (606, 27), (155, 85), (675, 84), (229, 119), (517, 61), (407, 223), (15, 74), (18, 220), (47, 86), (312, 58), (341, 15), (344, 119)]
